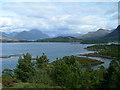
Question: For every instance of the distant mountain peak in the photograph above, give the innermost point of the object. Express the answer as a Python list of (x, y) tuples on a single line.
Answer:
[(114, 35), (33, 34), (96, 34), (35, 30), (23, 32), (100, 29), (118, 27)]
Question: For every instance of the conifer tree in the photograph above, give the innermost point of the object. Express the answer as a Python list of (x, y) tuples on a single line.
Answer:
[(24, 68)]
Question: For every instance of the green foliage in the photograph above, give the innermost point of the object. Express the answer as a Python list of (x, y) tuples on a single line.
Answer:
[(24, 68), (66, 72), (94, 41), (33, 86), (41, 76), (106, 50), (101, 67), (8, 81), (61, 75), (112, 77), (27, 57), (8, 73), (42, 60), (90, 79)]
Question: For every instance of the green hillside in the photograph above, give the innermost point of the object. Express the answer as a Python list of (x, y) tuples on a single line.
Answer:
[(60, 39)]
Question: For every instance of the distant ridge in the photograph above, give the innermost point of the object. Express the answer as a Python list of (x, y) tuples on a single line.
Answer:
[(95, 35), (61, 39), (33, 34), (114, 35), (3, 36)]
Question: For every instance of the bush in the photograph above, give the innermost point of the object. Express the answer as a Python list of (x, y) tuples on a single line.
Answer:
[(9, 82)]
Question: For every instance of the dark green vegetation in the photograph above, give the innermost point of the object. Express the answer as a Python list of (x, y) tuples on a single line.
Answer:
[(105, 51), (84, 61), (66, 72), (94, 41), (60, 39), (63, 73)]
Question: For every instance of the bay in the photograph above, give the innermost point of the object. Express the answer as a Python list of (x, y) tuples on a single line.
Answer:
[(52, 50)]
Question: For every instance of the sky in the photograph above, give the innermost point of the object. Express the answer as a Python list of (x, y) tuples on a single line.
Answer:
[(57, 17)]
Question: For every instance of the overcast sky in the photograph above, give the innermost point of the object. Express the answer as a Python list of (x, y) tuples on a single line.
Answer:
[(58, 17)]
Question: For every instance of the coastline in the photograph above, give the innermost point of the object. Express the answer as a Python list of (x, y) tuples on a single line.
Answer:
[(102, 51), (96, 55), (15, 55)]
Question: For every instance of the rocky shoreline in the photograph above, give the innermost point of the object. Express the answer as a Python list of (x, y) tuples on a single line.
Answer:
[(89, 49), (15, 55), (96, 55)]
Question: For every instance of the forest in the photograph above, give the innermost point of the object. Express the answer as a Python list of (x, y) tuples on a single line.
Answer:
[(66, 72)]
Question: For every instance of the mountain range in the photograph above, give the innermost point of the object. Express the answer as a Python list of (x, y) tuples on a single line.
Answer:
[(100, 33), (99, 36), (72, 35), (114, 35), (33, 34)]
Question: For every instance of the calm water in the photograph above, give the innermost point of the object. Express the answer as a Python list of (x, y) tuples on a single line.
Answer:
[(52, 50)]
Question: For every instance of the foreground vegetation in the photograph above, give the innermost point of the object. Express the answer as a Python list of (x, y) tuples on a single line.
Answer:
[(66, 72)]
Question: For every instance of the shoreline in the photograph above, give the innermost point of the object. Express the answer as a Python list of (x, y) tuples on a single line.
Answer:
[(96, 55), (86, 61), (15, 55)]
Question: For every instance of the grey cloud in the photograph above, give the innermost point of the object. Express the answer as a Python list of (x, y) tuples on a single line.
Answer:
[(60, 17)]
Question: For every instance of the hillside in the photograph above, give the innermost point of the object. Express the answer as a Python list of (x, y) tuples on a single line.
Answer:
[(72, 35), (60, 39), (95, 35), (114, 35), (3, 36), (111, 37)]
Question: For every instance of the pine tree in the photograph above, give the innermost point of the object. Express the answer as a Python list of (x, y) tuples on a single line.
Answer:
[(42, 60), (24, 68)]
